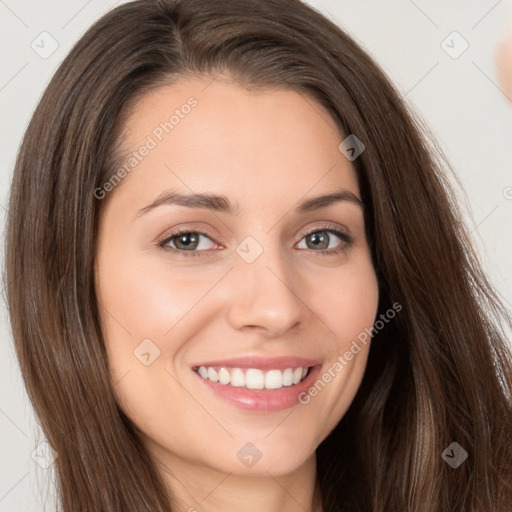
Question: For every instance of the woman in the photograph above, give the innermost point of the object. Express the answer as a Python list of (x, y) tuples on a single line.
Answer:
[(185, 343)]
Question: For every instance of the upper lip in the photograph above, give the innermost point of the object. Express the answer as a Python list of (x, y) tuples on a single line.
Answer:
[(263, 363)]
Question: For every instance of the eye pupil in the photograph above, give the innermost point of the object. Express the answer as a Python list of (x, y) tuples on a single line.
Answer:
[(187, 239), (319, 239)]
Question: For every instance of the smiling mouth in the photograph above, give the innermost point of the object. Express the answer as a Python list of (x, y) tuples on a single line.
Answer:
[(253, 378)]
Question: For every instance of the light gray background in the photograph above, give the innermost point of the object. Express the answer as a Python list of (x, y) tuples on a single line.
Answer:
[(459, 98)]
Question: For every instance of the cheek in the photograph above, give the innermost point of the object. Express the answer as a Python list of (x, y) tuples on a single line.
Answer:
[(347, 303), (147, 314), (349, 308), (147, 301), (140, 305)]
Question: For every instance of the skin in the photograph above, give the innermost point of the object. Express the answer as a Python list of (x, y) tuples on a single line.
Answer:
[(504, 65), (266, 150)]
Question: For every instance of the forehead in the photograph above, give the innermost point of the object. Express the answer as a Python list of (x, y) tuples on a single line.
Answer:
[(205, 134)]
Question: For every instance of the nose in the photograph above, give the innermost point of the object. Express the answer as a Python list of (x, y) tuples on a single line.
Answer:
[(265, 296)]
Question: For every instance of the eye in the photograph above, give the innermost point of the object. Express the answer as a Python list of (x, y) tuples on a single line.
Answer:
[(322, 239), (188, 241)]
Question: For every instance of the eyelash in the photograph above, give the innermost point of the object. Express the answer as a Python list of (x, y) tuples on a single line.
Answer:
[(329, 228)]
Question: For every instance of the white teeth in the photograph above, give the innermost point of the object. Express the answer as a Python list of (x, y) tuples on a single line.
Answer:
[(212, 374), (224, 376), (237, 377), (274, 379), (297, 375), (253, 378), (288, 377)]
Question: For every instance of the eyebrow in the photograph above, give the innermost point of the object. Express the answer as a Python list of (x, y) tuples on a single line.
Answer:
[(220, 203)]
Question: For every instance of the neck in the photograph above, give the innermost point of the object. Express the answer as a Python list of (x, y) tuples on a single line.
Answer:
[(200, 488)]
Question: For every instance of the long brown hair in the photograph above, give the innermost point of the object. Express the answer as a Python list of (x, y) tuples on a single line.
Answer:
[(439, 373)]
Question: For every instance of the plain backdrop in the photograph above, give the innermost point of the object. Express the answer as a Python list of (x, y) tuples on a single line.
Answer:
[(440, 55)]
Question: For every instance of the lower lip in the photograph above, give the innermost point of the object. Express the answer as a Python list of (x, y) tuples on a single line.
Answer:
[(261, 400)]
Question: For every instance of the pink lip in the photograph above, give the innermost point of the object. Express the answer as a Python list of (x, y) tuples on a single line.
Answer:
[(263, 363), (262, 400)]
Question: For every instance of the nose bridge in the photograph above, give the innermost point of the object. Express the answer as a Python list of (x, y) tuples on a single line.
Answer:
[(264, 288)]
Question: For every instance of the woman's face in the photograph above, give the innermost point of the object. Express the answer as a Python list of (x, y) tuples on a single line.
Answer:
[(264, 279)]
